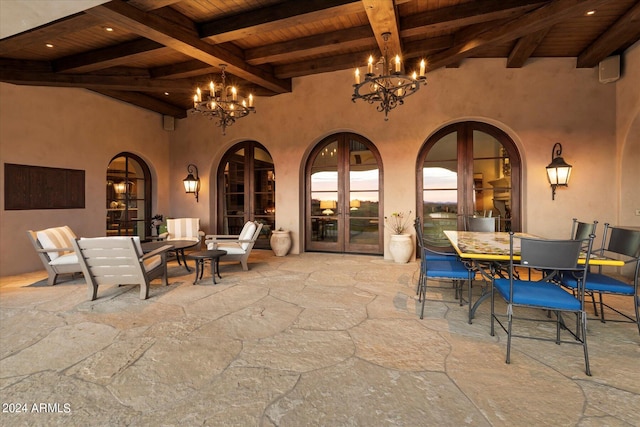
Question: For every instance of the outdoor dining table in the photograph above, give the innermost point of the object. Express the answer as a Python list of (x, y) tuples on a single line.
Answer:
[(486, 251)]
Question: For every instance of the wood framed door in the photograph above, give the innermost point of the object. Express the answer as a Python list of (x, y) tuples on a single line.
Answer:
[(467, 168), (343, 194)]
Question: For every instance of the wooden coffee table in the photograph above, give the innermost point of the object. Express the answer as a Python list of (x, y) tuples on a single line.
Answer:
[(201, 257)]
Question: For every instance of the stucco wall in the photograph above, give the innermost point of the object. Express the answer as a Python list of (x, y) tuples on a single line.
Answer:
[(546, 101), (76, 129), (628, 137)]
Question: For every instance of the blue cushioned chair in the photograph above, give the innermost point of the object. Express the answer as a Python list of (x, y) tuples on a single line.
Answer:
[(437, 265), (555, 258), (623, 243)]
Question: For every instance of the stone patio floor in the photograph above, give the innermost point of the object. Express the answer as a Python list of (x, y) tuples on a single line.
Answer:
[(302, 340)]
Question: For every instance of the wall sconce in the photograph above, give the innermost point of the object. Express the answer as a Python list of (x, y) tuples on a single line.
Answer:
[(327, 206), (191, 184), (558, 170)]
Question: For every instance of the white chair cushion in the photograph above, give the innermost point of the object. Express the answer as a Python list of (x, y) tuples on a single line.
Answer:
[(56, 237), (247, 233), (231, 248), (66, 259), (183, 229)]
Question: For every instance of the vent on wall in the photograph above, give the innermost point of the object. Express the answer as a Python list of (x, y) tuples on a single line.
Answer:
[(168, 123), (609, 69)]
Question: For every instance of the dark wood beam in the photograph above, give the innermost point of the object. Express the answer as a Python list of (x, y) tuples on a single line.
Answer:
[(462, 15), (539, 19), (34, 76), (351, 38), (113, 56), (183, 70), (145, 101), (384, 19), (625, 30), (277, 17), (525, 47), (178, 38)]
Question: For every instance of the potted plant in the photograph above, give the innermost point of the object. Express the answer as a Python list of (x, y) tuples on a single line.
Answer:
[(280, 242), (401, 243)]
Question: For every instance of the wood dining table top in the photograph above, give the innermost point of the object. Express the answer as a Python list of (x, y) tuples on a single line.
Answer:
[(494, 246)]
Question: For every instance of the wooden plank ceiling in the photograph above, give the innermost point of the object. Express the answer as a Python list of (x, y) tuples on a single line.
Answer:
[(153, 53)]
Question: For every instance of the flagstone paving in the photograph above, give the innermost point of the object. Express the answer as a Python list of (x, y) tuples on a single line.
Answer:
[(303, 340)]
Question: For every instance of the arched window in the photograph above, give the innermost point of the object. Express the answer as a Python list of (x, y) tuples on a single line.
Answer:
[(247, 190), (343, 194), (465, 169), (128, 196)]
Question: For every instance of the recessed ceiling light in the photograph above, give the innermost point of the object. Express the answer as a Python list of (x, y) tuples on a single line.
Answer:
[(166, 93), (49, 45), (590, 12), (108, 29)]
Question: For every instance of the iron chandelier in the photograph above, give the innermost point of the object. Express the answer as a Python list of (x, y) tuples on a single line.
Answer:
[(222, 103), (391, 86)]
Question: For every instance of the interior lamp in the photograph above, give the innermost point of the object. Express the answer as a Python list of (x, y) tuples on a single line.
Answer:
[(558, 170), (191, 183), (120, 187), (327, 206), (354, 205)]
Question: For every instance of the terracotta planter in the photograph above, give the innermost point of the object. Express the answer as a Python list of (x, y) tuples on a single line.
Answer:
[(280, 242), (401, 247)]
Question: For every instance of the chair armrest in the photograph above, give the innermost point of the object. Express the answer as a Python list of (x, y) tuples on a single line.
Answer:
[(55, 250), (221, 236), (160, 251), (163, 236)]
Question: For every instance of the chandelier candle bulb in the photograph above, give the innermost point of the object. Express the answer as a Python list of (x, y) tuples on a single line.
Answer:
[(357, 76), (250, 101), (370, 65), (397, 63), (195, 101), (234, 93), (422, 67), (199, 94), (212, 90)]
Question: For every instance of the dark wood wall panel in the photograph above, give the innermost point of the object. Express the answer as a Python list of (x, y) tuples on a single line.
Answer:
[(37, 187)]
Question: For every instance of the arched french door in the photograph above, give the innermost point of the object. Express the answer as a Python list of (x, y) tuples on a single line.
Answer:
[(343, 196), (247, 190), (468, 168), (128, 196)]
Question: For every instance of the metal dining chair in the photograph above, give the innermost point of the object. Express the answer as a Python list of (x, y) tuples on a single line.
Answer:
[(437, 265), (624, 243), (558, 258)]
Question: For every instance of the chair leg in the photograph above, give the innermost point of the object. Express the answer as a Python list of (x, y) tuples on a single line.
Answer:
[(583, 315), (601, 307), (509, 324)]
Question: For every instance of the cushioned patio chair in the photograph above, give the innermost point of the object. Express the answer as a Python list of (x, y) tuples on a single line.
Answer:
[(120, 261), (556, 258), (625, 244), (54, 248), (183, 229), (239, 246)]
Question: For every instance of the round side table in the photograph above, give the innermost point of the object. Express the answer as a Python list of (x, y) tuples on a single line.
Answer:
[(201, 257)]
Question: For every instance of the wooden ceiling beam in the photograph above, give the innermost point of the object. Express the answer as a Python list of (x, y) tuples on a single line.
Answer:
[(525, 47), (121, 54), (625, 30), (543, 17), (384, 19), (145, 101), (274, 18), (182, 40), (183, 70), (462, 15), (351, 38), (35, 76)]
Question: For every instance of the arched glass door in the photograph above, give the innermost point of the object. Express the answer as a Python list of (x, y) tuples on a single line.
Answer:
[(128, 197), (343, 182), (246, 190), (464, 169)]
